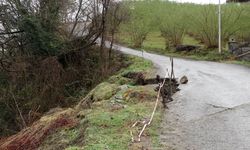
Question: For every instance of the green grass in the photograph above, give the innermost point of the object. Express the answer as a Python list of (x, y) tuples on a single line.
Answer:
[(190, 40), (74, 148), (137, 65), (155, 44), (199, 21), (111, 130), (154, 40)]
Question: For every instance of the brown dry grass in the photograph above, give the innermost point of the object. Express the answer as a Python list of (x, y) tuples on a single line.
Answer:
[(31, 137)]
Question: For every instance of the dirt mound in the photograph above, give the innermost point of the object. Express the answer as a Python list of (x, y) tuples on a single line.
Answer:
[(139, 94), (31, 137)]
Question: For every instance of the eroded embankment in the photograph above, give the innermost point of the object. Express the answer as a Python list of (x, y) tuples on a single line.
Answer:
[(101, 120)]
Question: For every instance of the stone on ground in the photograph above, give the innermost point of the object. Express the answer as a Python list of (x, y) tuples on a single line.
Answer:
[(104, 91), (184, 80)]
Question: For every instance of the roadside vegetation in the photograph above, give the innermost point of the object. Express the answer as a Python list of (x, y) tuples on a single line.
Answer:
[(115, 116), (62, 88), (170, 24), (59, 88), (49, 55), (102, 119)]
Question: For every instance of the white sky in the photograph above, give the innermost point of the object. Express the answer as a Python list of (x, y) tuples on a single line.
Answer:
[(201, 1)]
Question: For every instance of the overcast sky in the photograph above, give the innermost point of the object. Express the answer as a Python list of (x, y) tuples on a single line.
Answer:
[(201, 1)]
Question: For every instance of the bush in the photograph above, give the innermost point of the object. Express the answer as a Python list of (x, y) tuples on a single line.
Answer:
[(205, 24), (172, 25), (139, 23), (41, 41), (174, 20)]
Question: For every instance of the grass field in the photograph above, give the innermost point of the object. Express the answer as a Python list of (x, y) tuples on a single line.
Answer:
[(189, 24), (156, 44)]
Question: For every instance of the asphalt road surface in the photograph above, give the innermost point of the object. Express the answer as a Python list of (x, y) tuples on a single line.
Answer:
[(212, 111)]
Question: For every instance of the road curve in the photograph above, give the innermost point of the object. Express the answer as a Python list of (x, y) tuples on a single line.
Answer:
[(211, 112)]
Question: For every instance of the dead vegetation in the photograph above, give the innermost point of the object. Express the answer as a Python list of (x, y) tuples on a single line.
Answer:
[(49, 56), (31, 137), (36, 84), (49, 131)]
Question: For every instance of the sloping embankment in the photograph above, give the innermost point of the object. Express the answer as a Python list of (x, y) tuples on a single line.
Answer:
[(101, 120)]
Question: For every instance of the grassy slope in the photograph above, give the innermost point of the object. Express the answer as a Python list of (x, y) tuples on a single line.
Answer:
[(108, 128), (114, 127), (156, 44)]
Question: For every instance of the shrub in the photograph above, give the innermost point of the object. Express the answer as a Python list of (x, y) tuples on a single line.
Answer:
[(139, 23), (172, 25)]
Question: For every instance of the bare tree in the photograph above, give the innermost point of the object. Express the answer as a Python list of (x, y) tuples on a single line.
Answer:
[(117, 14)]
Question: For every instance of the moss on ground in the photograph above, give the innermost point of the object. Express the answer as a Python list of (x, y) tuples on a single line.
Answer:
[(104, 91), (118, 79)]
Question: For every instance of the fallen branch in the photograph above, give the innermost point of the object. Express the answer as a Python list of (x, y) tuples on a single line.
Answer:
[(19, 111), (243, 54)]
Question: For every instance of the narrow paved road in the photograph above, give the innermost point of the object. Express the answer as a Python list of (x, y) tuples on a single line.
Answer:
[(211, 112)]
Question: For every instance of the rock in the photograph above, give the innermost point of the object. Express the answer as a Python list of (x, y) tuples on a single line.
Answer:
[(118, 97), (123, 87), (115, 107), (104, 91), (184, 80)]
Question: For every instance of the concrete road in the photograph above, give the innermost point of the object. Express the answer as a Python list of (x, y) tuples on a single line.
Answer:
[(211, 112)]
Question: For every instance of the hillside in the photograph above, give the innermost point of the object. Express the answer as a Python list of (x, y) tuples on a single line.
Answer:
[(102, 119)]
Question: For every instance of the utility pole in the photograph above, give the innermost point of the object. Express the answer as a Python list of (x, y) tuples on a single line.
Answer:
[(219, 20)]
